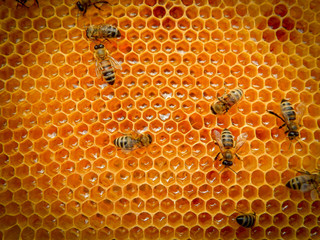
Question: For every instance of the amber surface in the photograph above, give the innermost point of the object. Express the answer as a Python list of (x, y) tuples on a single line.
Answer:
[(61, 176)]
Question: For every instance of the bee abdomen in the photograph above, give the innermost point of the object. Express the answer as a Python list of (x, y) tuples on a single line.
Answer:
[(227, 138), (296, 182), (288, 110), (108, 73), (246, 221), (123, 142)]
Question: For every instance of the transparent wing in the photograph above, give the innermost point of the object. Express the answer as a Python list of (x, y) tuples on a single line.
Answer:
[(301, 109), (98, 69), (217, 137), (126, 151), (241, 139), (306, 187), (314, 194), (135, 134), (115, 63)]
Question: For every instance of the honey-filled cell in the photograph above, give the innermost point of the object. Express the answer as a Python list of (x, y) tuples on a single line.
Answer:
[(59, 120)]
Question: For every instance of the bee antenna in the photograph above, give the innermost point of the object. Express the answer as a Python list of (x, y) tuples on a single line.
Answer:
[(300, 144)]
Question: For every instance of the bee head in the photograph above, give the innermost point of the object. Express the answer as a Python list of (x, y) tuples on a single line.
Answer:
[(79, 5), (146, 140), (96, 47), (227, 163), (293, 134)]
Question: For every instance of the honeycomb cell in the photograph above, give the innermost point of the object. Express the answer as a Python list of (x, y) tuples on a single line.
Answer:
[(54, 116)]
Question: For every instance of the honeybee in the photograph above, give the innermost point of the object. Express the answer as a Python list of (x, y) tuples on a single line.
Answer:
[(246, 220), (105, 64), (228, 148), (23, 2), (290, 118), (226, 101), (84, 4), (133, 140), (306, 183), (102, 31)]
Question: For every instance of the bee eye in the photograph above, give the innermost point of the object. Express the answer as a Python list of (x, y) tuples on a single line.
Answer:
[(291, 134), (96, 47), (101, 46)]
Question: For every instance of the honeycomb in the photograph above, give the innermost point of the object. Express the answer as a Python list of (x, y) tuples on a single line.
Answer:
[(61, 176)]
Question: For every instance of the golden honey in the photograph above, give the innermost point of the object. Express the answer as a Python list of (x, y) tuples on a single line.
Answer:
[(61, 176)]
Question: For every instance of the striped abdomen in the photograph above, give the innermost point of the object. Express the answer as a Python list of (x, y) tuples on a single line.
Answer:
[(247, 220), (124, 142), (306, 180), (227, 139), (107, 71), (287, 110)]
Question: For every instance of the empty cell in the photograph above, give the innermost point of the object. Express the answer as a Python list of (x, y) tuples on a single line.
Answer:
[(243, 59)]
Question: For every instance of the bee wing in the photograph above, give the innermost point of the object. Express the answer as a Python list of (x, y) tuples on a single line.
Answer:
[(241, 139), (126, 151), (306, 187), (142, 130), (217, 137), (134, 134), (314, 194), (115, 63), (301, 109), (98, 69)]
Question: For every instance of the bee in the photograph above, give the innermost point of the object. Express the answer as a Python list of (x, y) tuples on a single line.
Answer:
[(246, 220), (228, 148), (290, 118), (133, 140), (105, 64), (23, 3), (102, 31), (84, 4), (305, 183), (226, 101)]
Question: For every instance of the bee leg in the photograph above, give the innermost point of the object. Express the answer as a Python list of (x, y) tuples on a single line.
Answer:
[(37, 2), (282, 125), (95, 4), (222, 170), (233, 170), (21, 3), (85, 9), (217, 156), (238, 157), (276, 115)]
